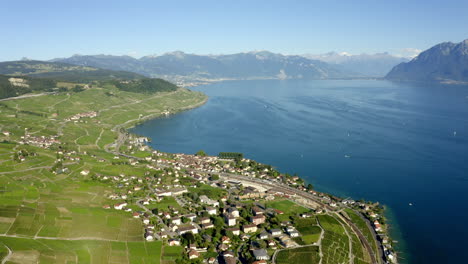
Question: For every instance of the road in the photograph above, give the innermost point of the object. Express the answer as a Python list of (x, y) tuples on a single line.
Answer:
[(34, 168), (5, 259), (60, 238), (25, 96), (160, 221)]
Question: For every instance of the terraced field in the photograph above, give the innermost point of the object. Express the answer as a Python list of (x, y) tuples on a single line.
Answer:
[(81, 251), (309, 229), (308, 254), (335, 242), (59, 218)]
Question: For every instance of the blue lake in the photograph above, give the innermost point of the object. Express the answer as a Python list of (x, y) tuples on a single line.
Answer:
[(406, 144)]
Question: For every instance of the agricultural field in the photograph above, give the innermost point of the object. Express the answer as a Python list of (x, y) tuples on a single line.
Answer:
[(49, 217), (81, 251), (308, 254), (170, 254), (335, 242), (309, 229)]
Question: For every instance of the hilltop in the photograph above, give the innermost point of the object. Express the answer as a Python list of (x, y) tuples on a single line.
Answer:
[(446, 62), (24, 77)]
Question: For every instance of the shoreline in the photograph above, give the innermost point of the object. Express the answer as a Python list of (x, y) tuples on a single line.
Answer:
[(126, 126)]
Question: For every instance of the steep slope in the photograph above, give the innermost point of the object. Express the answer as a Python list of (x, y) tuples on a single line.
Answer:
[(445, 62)]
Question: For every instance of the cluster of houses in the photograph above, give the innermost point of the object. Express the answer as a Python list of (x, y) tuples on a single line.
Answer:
[(173, 224), (39, 141), (197, 222), (78, 116)]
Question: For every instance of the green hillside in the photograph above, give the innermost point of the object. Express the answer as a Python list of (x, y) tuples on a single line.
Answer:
[(49, 211), (11, 86), (63, 71)]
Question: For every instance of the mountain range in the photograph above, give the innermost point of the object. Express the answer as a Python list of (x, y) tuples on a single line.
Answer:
[(446, 63), (372, 65), (250, 65)]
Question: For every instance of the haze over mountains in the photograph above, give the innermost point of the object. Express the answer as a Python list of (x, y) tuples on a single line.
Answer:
[(372, 65), (446, 62), (251, 65)]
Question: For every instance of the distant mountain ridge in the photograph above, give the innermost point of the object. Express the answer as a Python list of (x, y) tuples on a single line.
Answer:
[(63, 71), (371, 65), (249, 65), (446, 62)]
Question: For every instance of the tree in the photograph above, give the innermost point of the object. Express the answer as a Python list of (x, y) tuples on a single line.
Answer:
[(201, 153), (188, 238), (78, 88), (214, 177), (310, 187)]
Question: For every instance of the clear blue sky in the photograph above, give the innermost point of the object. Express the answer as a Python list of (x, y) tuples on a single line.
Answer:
[(45, 29)]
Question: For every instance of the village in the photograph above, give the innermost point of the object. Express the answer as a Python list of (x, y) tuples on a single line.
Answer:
[(220, 209)]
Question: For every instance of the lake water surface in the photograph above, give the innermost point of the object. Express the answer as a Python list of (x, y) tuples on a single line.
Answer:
[(406, 144)]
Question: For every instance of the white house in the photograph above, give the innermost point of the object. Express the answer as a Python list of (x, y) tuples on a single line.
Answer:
[(120, 206), (234, 230), (233, 211), (174, 242), (188, 228), (176, 221), (204, 199), (275, 232), (149, 236), (230, 220), (211, 210)]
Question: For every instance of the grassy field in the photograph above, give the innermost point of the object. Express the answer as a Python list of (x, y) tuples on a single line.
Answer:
[(289, 208), (164, 204), (210, 192), (309, 254), (59, 218), (335, 242)]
